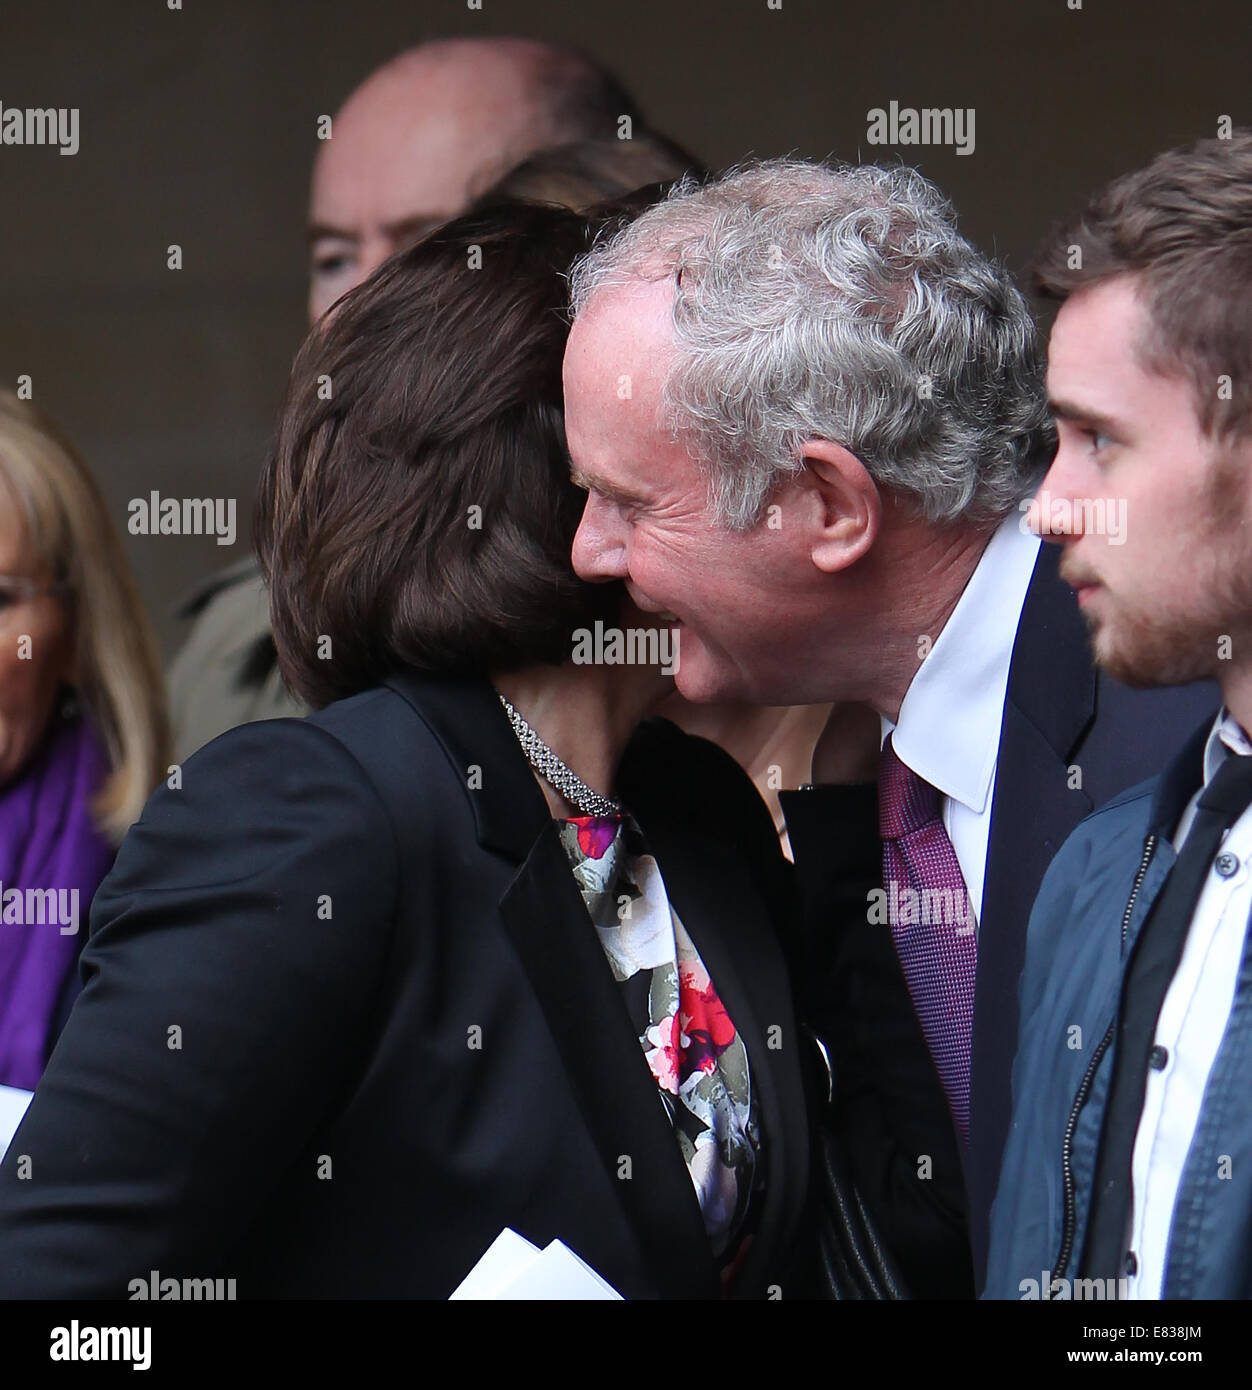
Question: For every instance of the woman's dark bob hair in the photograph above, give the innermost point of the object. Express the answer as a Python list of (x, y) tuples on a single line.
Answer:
[(415, 512)]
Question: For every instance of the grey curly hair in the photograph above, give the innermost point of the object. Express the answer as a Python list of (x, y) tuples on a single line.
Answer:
[(836, 302)]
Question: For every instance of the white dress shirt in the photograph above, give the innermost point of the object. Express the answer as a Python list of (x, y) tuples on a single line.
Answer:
[(948, 730), (1191, 1026)]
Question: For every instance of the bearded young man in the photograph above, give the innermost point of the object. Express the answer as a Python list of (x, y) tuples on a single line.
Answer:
[(1129, 1160)]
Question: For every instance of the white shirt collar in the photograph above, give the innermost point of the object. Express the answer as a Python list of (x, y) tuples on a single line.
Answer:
[(949, 726), (1225, 737)]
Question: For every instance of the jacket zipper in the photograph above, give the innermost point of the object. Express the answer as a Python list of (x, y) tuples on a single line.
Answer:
[(1067, 1171)]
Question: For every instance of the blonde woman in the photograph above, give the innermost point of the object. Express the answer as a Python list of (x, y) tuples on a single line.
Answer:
[(83, 735)]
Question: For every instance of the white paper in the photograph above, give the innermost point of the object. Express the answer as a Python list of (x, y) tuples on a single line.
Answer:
[(559, 1273), (508, 1256), (512, 1268), (13, 1103)]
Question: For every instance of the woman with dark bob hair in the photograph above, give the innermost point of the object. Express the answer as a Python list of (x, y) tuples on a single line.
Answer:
[(469, 948)]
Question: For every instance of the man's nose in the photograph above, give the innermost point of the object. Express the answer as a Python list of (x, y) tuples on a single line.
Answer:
[(372, 252), (367, 267), (599, 550), (1055, 513)]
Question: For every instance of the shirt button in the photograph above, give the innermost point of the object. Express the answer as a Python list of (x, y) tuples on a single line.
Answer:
[(1226, 864), (1158, 1058), (1130, 1265)]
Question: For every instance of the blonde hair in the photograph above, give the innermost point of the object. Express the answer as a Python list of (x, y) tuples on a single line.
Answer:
[(69, 532)]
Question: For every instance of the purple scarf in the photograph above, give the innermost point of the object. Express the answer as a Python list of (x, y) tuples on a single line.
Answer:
[(48, 840)]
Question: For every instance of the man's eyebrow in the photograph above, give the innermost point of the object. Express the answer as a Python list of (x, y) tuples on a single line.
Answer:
[(1078, 414), (415, 226), (408, 228), (319, 230), (591, 483)]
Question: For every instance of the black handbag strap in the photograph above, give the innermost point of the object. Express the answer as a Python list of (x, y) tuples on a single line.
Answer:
[(854, 1262)]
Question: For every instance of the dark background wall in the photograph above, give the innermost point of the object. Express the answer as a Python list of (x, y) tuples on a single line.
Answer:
[(198, 127)]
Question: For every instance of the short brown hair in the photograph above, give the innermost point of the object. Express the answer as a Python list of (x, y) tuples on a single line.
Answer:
[(416, 508), (1183, 226)]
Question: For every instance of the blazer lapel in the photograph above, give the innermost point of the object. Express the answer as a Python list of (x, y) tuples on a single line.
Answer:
[(470, 724), (616, 1092), (547, 922), (1050, 704), (705, 885)]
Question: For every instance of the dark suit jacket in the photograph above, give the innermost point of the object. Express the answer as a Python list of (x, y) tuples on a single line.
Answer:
[(1060, 713), (345, 1017)]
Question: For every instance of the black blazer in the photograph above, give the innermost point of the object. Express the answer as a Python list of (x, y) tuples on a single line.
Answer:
[(1061, 713), (344, 1018)]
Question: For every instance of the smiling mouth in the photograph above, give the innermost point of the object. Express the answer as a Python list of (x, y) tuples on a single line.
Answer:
[(663, 614)]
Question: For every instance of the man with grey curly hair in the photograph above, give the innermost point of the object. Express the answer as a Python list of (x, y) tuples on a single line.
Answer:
[(842, 304), (808, 414)]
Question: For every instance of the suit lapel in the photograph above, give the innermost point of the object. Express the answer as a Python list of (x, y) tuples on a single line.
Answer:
[(705, 885), (1050, 704), (706, 893), (466, 718), (546, 920), (604, 1063)]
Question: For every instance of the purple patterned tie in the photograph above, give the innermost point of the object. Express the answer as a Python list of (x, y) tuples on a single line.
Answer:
[(932, 922)]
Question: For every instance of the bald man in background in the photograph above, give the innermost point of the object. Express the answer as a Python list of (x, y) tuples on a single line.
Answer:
[(412, 146), (424, 135)]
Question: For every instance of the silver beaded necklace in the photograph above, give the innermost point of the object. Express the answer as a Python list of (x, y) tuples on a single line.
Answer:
[(555, 772)]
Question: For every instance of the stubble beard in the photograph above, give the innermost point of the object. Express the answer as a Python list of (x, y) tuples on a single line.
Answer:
[(1145, 648), (1147, 653)]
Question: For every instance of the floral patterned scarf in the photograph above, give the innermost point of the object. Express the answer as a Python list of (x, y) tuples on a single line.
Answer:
[(690, 1044)]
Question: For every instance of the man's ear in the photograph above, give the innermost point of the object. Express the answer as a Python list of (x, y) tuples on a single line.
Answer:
[(849, 501)]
